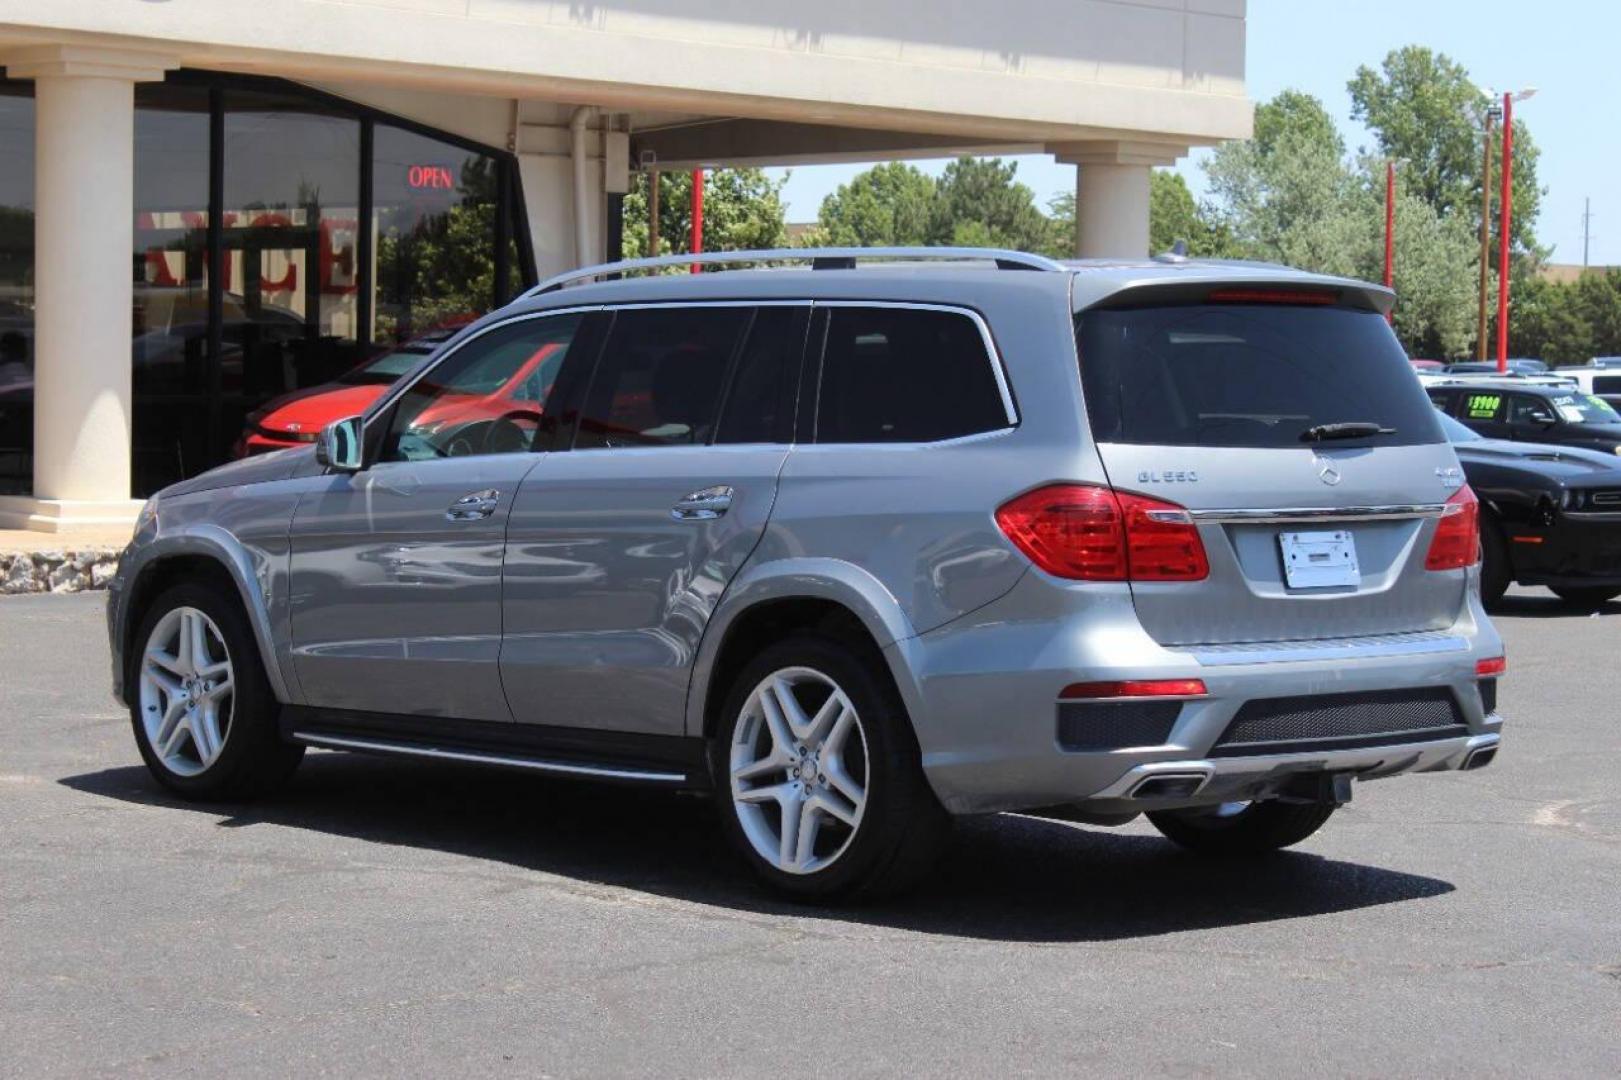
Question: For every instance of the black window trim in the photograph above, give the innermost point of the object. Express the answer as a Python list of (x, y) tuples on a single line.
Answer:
[(994, 355)]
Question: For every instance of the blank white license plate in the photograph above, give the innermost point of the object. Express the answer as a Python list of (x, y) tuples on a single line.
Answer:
[(1319, 560)]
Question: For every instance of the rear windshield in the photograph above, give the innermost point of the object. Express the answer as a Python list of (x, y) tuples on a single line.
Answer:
[(1253, 375)]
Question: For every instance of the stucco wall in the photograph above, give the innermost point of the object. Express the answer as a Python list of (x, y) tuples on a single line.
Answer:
[(1052, 69)]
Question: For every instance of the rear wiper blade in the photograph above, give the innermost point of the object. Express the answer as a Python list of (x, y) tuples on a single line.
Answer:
[(1351, 429)]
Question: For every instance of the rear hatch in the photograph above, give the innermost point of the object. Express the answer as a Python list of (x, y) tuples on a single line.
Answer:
[(1235, 404)]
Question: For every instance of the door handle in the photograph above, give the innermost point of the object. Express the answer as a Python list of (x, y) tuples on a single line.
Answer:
[(475, 506), (705, 505)]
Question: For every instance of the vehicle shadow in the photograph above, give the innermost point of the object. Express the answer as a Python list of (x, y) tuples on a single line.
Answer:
[(1545, 605), (1006, 877)]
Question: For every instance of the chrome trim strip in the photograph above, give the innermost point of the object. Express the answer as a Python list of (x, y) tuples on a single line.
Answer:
[(489, 759), (1284, 515), (1422, 643), (1436, 755)]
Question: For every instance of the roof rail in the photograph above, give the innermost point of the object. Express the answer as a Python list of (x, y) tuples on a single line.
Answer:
[(841, 258)]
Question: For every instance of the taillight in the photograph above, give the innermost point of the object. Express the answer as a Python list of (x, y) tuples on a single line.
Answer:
[(1491, 668), (1090, 533), (1457, 534)]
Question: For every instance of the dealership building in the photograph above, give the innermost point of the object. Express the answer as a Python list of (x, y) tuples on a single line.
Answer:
[(206, 204)]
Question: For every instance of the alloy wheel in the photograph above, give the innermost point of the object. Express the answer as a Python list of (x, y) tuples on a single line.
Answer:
[(187, 691), (799, 770)]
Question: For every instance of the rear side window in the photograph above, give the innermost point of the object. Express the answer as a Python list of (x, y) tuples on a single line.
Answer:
[(658, 381), (1607, 384), (905, 375), (1249, 375), (760, 402)]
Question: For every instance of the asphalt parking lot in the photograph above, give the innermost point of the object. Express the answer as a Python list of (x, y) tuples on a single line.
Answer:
[(381, 918)]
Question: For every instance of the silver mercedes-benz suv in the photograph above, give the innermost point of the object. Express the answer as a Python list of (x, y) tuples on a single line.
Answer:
[(857, 549)]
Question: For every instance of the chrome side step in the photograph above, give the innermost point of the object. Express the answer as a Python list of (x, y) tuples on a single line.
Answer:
[(383, 746)]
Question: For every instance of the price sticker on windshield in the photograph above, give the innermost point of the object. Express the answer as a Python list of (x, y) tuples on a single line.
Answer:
[(1569, 410)]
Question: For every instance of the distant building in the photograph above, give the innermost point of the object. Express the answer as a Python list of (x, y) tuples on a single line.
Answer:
[(1566, 273)]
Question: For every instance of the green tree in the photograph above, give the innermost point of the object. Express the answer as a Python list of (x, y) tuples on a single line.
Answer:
[(1174, 215), (888, 205), (742, 211), (1436, 300), (1567, 324), (1421, 107), (1289, 196), (978, 202)]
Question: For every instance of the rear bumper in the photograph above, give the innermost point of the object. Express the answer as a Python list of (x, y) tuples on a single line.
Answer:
[(983, 693), (1236, 779)]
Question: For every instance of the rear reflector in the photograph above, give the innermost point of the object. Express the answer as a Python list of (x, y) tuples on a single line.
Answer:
[(1457, 534), (1487, 669), (1134, 688), (1090, 533)]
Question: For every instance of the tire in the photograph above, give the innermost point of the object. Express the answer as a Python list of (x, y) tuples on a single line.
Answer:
[(888, 829), (1586, 596), (1496, 572), (1235, 829), (245, 755)]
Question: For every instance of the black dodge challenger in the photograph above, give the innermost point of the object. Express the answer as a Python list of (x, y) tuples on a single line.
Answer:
[(1550, 515)]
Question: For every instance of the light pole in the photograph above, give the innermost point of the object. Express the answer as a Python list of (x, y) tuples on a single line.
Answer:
[(1492, 111), (1390, 229), (697, 215), (1506, 210)]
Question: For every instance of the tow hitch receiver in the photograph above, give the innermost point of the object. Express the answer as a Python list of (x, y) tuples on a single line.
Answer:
[(1323, 787)]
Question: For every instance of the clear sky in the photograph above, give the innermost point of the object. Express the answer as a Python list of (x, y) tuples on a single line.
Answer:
[(1569, 49)]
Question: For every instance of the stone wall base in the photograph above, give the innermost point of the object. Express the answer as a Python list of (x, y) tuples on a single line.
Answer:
[(56, 571)]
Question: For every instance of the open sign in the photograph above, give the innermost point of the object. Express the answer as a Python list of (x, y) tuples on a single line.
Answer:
[(430, 178)]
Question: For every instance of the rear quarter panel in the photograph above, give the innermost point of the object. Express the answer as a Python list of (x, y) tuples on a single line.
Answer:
[(920, 517)]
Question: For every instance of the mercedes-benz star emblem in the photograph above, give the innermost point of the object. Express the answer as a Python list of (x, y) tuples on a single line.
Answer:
[(1328, 472)]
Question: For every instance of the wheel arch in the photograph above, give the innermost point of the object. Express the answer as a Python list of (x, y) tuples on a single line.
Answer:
[(767, 603), (203, 553)]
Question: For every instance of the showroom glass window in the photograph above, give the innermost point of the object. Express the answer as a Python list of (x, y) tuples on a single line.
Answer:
[(273, 182), (16, 288), (172, 367), (437, 227)]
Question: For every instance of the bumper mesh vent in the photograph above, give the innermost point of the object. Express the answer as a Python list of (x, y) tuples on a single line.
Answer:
[(1115, 725), (1488, 695), (1341, 721)]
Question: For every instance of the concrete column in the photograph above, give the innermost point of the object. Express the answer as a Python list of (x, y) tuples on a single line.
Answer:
[(84, 107), (546, 167), (1111, 211), (1112, 184)]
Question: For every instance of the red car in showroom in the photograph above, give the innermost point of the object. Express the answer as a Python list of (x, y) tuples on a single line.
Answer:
[(502, 407)]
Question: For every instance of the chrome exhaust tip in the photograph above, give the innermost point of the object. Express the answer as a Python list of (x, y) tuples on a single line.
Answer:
[(1180, 785)]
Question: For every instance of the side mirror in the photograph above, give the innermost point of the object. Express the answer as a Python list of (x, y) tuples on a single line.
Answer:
[(341, 445), (1542, 419)]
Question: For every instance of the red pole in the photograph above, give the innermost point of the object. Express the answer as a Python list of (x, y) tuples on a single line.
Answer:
[(697, 215), (1502, 241), (1390, 230)]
